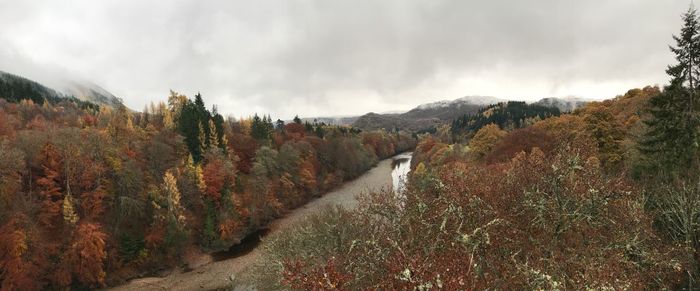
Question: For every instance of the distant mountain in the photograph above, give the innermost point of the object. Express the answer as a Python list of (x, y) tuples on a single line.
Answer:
[(90, 92), (335, 120), (15, 88), (567, 104), (427, 115), (507, 115)]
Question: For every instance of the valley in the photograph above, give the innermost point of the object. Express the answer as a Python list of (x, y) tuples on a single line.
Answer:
[(222, 273)]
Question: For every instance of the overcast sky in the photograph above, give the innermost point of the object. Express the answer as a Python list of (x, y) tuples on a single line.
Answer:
[(320, 58)]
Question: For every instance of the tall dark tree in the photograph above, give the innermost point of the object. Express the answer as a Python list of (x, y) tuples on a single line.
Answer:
[(219, 126), (259, 128), (670, 145), (279, 125), (203, 116)]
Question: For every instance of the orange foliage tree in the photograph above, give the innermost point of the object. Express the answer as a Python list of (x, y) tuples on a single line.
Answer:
[(84, 259), (49, 185), (17, 270)]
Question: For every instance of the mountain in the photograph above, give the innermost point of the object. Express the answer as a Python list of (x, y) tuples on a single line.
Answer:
[(507, 115), (426, 116), (334, 120), (15, 88), (90, 92), (567, 104)]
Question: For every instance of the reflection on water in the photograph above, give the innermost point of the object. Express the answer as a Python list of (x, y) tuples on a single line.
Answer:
[(401, 165)]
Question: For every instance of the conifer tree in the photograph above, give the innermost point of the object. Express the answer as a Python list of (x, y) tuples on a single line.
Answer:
[(214, 136), (202, 137), (259, 128), (671, 143)]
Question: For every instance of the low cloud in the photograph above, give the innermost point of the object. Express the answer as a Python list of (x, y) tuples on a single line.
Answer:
[(341, 57)]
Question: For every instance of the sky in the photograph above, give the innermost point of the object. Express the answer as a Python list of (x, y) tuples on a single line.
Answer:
[(331, 58)]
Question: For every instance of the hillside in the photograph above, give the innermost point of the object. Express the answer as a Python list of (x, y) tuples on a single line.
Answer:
[(507, 115), (14, 88), (431, 115), (90, 92), (425, 116), (567, 104)]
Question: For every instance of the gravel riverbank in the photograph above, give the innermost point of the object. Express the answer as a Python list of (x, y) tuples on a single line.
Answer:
[(214, 275)]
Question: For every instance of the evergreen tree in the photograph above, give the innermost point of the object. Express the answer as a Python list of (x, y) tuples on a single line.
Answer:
[(297, 120), (189, 126), (220, 132), (280, 125), (259, 128), (203, 116), (671, 143)]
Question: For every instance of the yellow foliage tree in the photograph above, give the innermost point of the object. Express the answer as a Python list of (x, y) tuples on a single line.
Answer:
[(69, 214), (485, 139)]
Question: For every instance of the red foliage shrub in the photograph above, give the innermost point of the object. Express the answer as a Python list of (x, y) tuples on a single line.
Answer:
[(326, 277)]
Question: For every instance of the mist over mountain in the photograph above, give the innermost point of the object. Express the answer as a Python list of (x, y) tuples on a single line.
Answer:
[(88, 91), (430, 115), (566, 104), (14, 87)]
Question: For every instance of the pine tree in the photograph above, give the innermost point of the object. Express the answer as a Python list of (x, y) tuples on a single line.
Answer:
[(220, 131), (259, 128), (671, 143), (203, 116)]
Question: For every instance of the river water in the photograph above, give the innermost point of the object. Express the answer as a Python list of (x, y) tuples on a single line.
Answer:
[(400, 166), (222, 266)]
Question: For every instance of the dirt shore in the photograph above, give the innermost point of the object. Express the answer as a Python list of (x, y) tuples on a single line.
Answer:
[(215, 275)]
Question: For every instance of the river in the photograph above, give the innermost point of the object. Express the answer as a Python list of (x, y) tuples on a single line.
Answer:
[(216, 270), (401, 165)]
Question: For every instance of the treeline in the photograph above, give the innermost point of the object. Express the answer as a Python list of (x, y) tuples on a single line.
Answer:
[(604, 198), (15, 89), (507, 115), (548, 206), (90, 198)]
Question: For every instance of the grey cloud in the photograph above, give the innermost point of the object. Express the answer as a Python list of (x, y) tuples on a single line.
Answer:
[(341, 57)]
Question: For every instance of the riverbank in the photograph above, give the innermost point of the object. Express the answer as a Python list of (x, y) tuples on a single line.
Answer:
[(218, 274)]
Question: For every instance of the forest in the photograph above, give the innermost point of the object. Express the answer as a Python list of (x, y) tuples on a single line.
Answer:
[(603, 198), (516, 196), (507, 115), (92, 196)]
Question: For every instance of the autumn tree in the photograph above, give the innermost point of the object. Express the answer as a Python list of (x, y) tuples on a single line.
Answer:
[(14, 164), (17, 270), (485, 140), (84, 259), (49, 185), (169, 213), (607, 133)]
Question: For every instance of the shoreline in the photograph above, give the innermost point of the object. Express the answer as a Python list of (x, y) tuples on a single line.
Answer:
[(219, 274)]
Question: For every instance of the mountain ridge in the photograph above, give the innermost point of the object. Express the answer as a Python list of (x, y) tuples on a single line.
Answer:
[(15, 87)]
